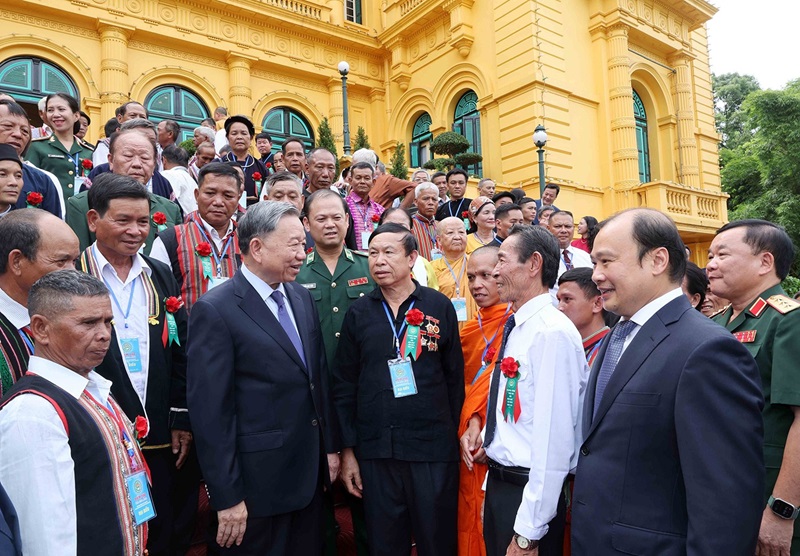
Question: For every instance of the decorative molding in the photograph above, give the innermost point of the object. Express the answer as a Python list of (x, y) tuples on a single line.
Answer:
[(292, 81), (179, 54), (48, 24)]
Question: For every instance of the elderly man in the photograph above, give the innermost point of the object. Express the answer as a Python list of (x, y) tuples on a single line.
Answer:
[(480, 343), (321, 168), (458, 204), (203, 252), (366, 212), (399, 451), (562, 225), (146, 361), (450, 268), (748, 260), (32, 243), (168, 132), (132, 154), (531, 430), (15, 132), (175, 161), (204, 154), (486, 187), (66, 447), (284, 186), (263, 424), (294, 157), (423, 223), (45, 130), (131, 111), (661, 430)]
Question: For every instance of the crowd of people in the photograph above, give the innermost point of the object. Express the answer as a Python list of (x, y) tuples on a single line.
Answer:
[(466, 376)]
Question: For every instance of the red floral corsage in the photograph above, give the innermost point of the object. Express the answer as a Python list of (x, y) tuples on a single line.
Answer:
[(87, 164), (268, 165), (141, 427), (465, 214), (490, 353), (510, 367), (159, 218), (203, 249), (34, 199), (414, 317), (257, 176), (173, 304), (376, 218)]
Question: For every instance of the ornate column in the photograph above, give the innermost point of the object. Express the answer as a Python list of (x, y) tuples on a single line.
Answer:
[(336, 110), (623, 125), (240, 99), (113, 67), (688, 167), (337, 11)]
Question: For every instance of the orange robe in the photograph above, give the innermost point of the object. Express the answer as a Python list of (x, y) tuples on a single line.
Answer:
[(470, 483)]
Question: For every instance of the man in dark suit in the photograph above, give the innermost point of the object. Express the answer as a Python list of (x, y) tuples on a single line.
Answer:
[(258, 393), (671, 462), (146, 361)]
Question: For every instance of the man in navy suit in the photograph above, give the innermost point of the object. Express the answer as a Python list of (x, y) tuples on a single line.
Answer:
[(257, 380), (671, 461)]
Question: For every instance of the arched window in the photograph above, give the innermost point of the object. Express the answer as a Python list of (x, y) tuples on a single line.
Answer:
[(641, 138), (282, 122), (467, 122), (30, 79), (420, 148), (173, 102)]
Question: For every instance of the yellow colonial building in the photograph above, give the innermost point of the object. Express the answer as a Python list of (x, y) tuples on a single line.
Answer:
[(623, 87)]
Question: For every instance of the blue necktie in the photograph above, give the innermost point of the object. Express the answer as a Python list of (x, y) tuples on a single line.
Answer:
[(491, 412), (287, 325), (613, 353)]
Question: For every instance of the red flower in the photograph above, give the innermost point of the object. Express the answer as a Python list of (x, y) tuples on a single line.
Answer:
[(34, 199), (490, 353), (87, 164), (309, 250), (414, 317), (203, 249), (465, 214), (376, 217), (160, 218), (268, 165), (173, 304), (510, 367), (141, 427), (257, 176)]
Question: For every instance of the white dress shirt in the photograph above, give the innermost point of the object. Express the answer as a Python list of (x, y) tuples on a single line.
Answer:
[(159, 251), (100, 154), (183, 185), (644, 314), (579, 259), (137, 323), (265, 291), (553, 373), (220, 140), (36, 466), (16, 313)]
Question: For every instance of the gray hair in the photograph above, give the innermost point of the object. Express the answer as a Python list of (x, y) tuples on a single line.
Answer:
[(209, 134), (260, 220), (313, 152), (365, 155), (424, 171), (139, 123), (381, 167), (423, 186), (42, 104), (52, 294), (285, 175), (535, 239)]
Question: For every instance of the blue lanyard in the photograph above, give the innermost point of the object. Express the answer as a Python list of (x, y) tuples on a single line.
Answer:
[(217, 258), (458, 280), (427, 227), (75, 160), (26, 339), (392, 326), (458, 210), (127, 312)]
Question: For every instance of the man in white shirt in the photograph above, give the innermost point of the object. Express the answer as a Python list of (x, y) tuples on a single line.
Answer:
[(532, 422), (61, 432), (175, 161), (562, 225)]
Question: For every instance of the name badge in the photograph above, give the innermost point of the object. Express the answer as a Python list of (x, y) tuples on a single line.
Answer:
[(403, 382), (435, 254), (78, 183), (460, 305), (139, 496), (365, 240), (214, 282), (467, 224), (131, 354)]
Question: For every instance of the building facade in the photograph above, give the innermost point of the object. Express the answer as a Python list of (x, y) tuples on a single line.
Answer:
[(623, 87)]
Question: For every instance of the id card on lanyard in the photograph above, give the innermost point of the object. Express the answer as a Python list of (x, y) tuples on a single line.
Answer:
[(400, 370), (459, 303)]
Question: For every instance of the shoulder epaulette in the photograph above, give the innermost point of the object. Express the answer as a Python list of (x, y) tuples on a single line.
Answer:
[(711, 316), (360, 254), (310, 257), (783, 304), (45, 138), (84, 144)]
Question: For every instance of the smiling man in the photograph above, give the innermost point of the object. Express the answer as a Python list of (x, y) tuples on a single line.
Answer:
[(661, 430), (364, 210)]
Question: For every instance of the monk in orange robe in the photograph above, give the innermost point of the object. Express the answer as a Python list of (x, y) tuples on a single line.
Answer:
[(480, 340)]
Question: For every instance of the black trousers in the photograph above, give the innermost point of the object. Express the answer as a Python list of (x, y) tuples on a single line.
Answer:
[(500, 511), (290, 534), (405, 500)]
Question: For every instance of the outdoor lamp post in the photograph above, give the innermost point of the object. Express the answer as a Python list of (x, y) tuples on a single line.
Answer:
[(540, 140), (344, 69)]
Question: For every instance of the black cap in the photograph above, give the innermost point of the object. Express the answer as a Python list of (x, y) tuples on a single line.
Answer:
[(503, 194), (7, 152), (242, 120)]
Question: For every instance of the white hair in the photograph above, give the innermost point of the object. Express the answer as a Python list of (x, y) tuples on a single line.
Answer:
[(424, 171), (42, 104), (207, 132), (365, 155), (423, 186)]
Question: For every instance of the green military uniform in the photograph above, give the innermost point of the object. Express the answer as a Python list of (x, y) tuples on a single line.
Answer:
[(770, 330), (333, 295), (49, 154)]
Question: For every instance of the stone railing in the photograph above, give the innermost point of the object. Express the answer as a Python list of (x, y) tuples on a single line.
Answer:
[(689, 207), (305, 9)]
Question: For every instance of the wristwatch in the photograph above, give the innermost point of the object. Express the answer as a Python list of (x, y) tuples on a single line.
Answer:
[(525, 544), (782, 508)]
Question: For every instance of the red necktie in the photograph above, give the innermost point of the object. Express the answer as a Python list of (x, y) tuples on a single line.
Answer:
[(567, 260)]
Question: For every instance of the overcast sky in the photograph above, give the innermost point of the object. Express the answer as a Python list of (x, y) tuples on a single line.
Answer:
[(757, 38)]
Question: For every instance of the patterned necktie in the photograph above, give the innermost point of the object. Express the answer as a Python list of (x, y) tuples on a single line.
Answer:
[(567, 260), (286, 324), (491, 413), (613, 353)]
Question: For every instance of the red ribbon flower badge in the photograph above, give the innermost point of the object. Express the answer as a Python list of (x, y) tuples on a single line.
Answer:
[(86, 165), (160, 220), (510, 368), (173, 305), (142, 428), (268, 165), (376, 218), (257, 177), (411, 344), (34, 199), (465, 214), (203, 251), (490, 353)]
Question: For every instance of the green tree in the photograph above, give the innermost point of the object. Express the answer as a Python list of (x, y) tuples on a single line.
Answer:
[(362, 141), (188, 145), (398, 166), (730, 91), (326, 141)]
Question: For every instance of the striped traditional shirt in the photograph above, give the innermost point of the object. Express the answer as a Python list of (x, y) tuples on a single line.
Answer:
[(424, 231), (362, 212)]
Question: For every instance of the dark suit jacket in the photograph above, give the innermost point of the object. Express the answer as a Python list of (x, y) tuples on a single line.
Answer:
[(673, 462), (10, 542), (262, 420), (166, 375), (159, 183)]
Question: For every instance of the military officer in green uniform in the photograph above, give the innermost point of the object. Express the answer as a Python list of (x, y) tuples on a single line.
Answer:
[(748, 259), (62, 153), (336, 277)]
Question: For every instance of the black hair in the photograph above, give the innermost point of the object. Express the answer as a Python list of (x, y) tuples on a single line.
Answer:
[(14, 108), (591, 222), (107, 186), (264, 135), (176, 155), (363, 166), (583, 277), (518, 194), (408, 240), (392, 210), (73, 103), (502, 210), (535, 239), (111, 127), (437, 175), (763, 236), (455, 171), (222, 169), (124, 108), (292, 139), (172, 127), (696, 282), (553, 186), (19, 230)]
